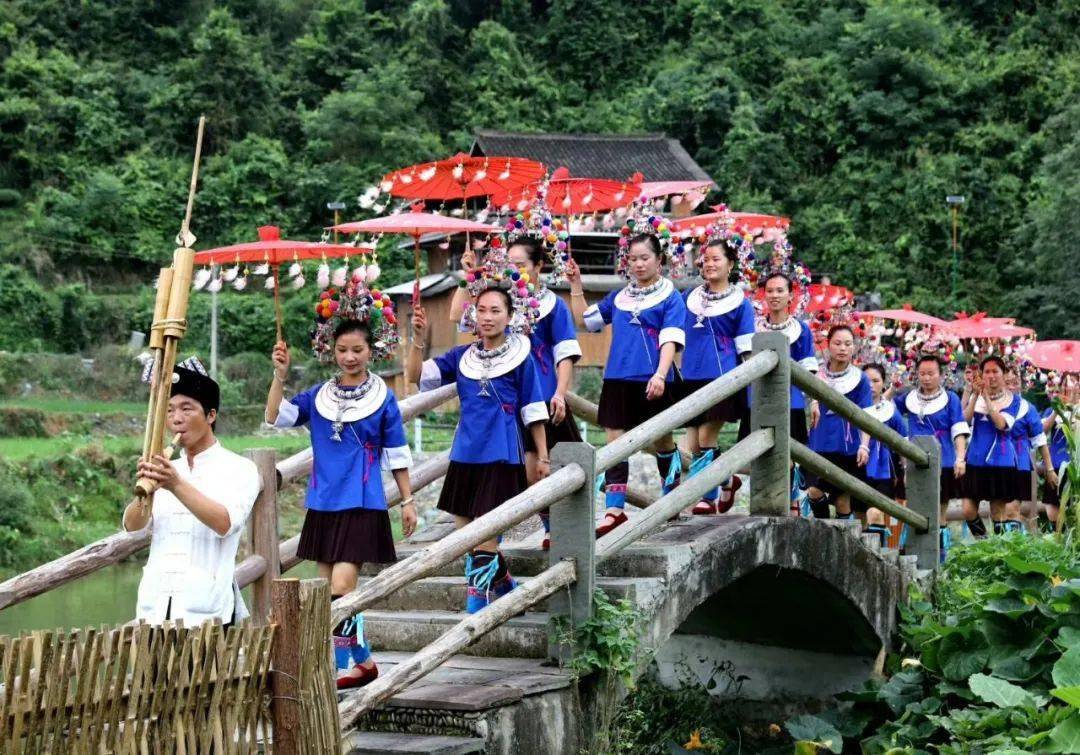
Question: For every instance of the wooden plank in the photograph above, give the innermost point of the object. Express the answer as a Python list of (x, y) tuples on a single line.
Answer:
[(822, 391), (924, 498), (506, 666), (467, 631), (461, 697), (852, 486), (683, 411), (689, 491), (533, 500), (264, 533), (770, 407), (285, 705)]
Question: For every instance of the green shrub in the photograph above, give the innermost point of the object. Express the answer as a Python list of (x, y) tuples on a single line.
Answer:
[(587, 383), (19, 422)]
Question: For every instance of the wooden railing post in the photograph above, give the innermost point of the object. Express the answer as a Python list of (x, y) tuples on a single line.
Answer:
[(573, 528), (924, 497), (770, 406), (264, 532), (304, 704)]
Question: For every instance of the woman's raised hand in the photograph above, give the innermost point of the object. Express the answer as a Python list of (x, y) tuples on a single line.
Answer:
[(419, 321), (280, 358)]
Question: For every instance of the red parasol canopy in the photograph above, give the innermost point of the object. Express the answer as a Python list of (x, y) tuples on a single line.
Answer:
[(1059, 356), (824, 298), (979, 325), (657, 189), (572, 196), (753, 221), (462, 176), (906, 314), (416, 224), (274, 250)]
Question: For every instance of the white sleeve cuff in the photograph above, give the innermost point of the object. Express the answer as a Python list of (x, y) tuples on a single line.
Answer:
[(430, 376), (960, 428), (534, 412), (744, 343), (399, 457), (287, 414), (1009, 420), (594, 321), (570, 349), (1038, 441), (673, 335), (809, 363)]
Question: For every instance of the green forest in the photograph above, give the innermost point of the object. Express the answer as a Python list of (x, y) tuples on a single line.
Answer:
[(853, 118)]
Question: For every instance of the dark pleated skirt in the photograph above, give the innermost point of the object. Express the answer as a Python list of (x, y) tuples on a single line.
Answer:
[(354, 536), (1023, 485), (731, 409), (1051, 496), (564, 432), (797, 420), (472, 490), (989, 483), (950, 486), (849, 465), (623, 404), (886, 487)]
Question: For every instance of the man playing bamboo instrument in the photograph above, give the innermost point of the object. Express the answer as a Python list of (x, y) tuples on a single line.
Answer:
[(197, 512)]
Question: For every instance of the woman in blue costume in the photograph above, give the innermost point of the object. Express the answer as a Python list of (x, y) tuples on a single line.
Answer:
[(719, 328), (931, 409), (1059, 448), (883, 473), (501, 399), (356, 431), (991, 410), (832, 436), (646, 319), (1027, 436), (555, 349)]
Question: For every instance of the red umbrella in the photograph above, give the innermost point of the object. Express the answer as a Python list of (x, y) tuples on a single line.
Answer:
[(572, 196), (657, 189), (416, 224), (979, 325), (828, 297), (1059, 356), (273, 250), (905, 314), (753, 221), (462, 176)]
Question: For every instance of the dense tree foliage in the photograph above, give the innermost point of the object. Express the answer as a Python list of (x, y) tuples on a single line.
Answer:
[(854, 118)]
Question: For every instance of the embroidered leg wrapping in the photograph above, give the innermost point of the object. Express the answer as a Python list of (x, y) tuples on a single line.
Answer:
[(819, 506), (349, 644), (977, 528), (545, 519), (488, 577), (999, 527), (669, 464), (944, 541), (702, 459), (881, 531), (615, 480)]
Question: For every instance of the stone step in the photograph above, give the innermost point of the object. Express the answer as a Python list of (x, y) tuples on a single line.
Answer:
[(644, 560), (521, 637), (390, 743), (448, 593)]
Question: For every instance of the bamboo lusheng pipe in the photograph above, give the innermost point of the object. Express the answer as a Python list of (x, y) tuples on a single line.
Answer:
[(145, 488), (157, 344)]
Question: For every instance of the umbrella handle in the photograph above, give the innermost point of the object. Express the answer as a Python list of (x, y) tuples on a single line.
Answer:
[(277, 304), (416, 266)]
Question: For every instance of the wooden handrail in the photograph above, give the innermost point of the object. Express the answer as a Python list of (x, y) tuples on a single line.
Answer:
[(463, 634), (532, 500), (847, 409), (299, 464), (853, 486), (675, 416), (581, 407), (688, 492)]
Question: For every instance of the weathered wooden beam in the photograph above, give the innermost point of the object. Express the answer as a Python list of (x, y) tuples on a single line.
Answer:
[(581, 407), (264, 533), (834, 474), (285, 704), (299, 464), (497, 521), (822, 391), (676, 416), (249, 570), (689, 492), (573, 538), (463, 634), (86, 560), (924, 497), (770, 406)]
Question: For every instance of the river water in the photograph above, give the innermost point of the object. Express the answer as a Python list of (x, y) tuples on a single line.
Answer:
[(104, 597)]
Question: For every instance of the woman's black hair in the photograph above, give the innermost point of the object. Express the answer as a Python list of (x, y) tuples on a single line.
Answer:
[(836, 329), (731, 254), (785, 276), (502, 292), (996, 360), (879, 369), (536, 251), (650, 241), (929, 358), (353, 326)]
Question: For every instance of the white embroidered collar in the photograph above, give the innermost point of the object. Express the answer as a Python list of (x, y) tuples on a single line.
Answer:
[(547, 299), (326, 404), (474, 368), (846, 381), (1002, 404), (882, 411), (628, 303), (699, 305), (923, 408), (1024, 407), (792, 329)]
